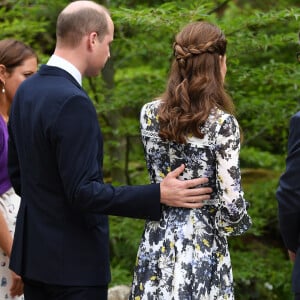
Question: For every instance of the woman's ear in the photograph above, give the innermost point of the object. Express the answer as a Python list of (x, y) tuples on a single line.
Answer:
[(2, 73), (223, 66)]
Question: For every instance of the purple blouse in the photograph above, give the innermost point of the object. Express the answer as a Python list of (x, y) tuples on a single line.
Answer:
[(5, 184)]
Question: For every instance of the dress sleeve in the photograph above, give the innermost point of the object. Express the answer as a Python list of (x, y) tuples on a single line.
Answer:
[(232, 217), (156, 151)]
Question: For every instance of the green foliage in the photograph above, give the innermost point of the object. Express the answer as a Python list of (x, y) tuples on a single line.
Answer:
[(260, 272), (254, 158), (262, 78), (124, 239), (262, 72), (131, 82), (260, 187), (31, 21)]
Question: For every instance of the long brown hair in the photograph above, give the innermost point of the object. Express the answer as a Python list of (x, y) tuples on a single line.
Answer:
[(195, 84)]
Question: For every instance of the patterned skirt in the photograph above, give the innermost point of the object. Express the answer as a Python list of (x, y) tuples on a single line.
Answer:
[(9, 206), (182, 257)]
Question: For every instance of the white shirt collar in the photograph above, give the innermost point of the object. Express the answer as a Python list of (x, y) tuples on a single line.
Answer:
[(59, 62)]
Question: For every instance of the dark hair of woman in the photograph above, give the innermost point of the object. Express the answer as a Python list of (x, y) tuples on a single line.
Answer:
[(196, 85), (13, 53)]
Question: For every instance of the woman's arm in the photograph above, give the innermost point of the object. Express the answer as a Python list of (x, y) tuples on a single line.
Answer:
[(6, 241), (5, 236), (232, 217)]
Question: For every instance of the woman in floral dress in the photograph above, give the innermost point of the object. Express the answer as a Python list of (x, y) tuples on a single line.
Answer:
[(185, 255)]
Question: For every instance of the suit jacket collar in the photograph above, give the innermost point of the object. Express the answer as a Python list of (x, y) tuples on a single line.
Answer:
[(55, 71)]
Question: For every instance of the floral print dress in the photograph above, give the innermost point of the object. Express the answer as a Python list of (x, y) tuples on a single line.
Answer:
[(9, 206), (185, 256)]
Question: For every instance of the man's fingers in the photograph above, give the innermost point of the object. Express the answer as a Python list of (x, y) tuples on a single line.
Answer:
[(193, 183), (183, 193), (17, 289), (17, 285), (193, 201), (197, 199), (201, 192), (176, 172)]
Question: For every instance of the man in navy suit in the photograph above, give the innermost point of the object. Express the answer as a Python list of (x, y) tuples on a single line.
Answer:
[(55, 163), (288, 196)]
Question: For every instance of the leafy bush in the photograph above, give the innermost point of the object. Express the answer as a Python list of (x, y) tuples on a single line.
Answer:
[(251, 157), (260, 270), (125, 235)]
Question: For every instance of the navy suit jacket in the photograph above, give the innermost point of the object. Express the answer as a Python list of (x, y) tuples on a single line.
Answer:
[(288, 196), (55, 165)]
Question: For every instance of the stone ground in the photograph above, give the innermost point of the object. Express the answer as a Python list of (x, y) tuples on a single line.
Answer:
[(119, 292)]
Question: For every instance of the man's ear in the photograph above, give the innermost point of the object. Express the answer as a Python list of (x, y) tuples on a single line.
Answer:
[(92, 39)]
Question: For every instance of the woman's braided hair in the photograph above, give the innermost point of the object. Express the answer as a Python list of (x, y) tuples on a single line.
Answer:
[(195, 84)]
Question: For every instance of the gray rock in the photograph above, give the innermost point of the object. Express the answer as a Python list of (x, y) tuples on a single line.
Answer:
[(118, 292)]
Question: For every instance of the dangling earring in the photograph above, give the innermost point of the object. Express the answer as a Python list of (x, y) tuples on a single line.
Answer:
[(3, 88)]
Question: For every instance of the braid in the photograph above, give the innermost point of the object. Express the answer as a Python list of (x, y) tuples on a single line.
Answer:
[(182, 53)]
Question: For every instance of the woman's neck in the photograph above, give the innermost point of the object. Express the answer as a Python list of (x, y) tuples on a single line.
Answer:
[(4, 108)]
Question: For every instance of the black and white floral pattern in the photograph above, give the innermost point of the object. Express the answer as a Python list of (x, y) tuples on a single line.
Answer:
[(185, 255), (9, 206)]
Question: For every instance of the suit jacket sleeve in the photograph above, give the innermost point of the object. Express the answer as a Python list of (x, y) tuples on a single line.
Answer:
[(78, 141), (288, 192)]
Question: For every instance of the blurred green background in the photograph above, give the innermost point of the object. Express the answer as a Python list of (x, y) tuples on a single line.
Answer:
[(263, 79)]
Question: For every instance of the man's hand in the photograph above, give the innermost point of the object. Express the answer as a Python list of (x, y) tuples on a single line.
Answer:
[(292, 255), (17, 286), (181, 193)]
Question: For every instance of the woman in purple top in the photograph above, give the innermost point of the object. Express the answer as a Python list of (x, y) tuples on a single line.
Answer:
[(17, 62)]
